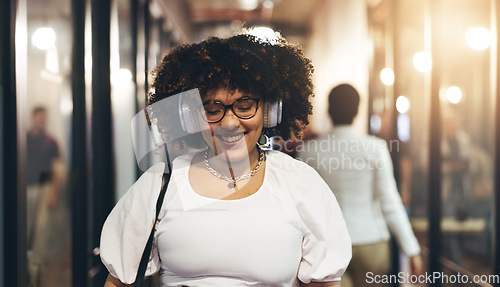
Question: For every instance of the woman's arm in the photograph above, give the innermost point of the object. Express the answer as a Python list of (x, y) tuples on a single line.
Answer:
[(113, 282)]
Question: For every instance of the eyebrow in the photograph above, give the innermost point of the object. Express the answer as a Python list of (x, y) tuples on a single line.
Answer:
[(243, 97)]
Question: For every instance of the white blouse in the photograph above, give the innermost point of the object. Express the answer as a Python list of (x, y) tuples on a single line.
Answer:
[(291, 229)]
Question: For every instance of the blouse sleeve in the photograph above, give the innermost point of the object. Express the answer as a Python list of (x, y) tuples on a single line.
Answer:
[(326, 244), (127, 228)]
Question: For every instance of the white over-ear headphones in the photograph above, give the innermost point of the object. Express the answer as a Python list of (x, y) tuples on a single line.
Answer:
[(190, 120), (272, 114), (188, 114)]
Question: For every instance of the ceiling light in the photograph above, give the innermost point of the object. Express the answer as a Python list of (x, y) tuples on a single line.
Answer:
[(44, 38)]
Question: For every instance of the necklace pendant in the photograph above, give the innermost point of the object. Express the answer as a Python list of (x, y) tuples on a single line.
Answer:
[(233, 180)]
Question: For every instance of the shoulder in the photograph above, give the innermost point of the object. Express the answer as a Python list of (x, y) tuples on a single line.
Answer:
[(140, 199), (148, 181), (183, 160), (154, 170)]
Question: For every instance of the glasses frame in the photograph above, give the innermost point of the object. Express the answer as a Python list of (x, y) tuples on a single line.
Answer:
[(257, 100)]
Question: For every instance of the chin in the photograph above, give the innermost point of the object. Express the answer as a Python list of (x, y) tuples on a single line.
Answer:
[(236, 152), (239, 155)]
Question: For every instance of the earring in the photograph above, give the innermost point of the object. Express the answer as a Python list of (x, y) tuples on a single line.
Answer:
[(263, 141)]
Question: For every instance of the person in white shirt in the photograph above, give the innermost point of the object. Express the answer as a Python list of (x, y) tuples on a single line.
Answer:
[(233, 214), (358, 169)]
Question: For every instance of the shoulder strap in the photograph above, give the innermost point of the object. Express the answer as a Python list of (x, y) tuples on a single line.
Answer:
[(147, 251)]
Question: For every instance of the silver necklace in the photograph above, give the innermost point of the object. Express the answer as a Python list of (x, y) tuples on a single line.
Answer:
[(234, 180)]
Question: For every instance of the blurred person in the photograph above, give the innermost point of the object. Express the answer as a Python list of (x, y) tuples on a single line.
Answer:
[(457, 167), (481, 207), (233, 214), (43, 174), (358, 169)]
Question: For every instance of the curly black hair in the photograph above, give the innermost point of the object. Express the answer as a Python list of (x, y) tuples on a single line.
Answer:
[(273, 69)]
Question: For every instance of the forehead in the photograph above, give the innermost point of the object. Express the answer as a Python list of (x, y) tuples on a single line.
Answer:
[(226, 95)]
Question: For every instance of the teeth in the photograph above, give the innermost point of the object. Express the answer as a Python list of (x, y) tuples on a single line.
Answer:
[(232, 138)]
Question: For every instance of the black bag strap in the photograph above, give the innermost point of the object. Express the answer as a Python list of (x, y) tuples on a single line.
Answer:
[(147, 251)]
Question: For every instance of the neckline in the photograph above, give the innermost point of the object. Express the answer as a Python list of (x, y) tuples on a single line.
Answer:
[(192, 192)]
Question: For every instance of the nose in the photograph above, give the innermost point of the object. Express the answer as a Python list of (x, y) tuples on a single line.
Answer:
[(230, 120)]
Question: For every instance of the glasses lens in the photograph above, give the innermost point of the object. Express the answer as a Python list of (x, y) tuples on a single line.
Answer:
[(245, 108), (213, 112)]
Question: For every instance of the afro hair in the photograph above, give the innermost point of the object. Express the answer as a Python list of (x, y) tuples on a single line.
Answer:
[(272, 69)]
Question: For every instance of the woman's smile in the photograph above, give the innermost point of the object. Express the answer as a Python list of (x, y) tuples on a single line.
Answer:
[(232, 135), (231, 138)]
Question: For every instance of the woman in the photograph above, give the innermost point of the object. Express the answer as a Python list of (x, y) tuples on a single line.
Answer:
[(233, 215)]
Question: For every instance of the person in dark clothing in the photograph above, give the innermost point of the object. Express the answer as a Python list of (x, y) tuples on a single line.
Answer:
[(43, 180)]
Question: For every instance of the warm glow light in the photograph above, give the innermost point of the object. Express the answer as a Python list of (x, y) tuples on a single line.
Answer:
[(52, 61), (121, 77), (249, 4), (44, 38), (265, 34), (404, 127), (402, 104), (268, 4), (387, 76), (375, 124), (66, 106), (454, 94), (478, 38), (422, 62)]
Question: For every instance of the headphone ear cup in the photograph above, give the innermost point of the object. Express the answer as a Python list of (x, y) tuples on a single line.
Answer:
[(185, 117), (272, 114), (187, 120)]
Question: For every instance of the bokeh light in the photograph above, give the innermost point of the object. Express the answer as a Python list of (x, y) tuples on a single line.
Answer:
[(402, 104), (422, 61), (121, 77), (478, 38), (387, 76), (375, 124), (264, 33), (454, 94), (44, 38), (404, 127)]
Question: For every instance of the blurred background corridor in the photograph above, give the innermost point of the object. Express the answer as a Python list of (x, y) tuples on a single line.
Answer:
[(427, 72)]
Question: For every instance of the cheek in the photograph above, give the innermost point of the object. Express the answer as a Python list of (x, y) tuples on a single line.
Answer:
[(258, 124), (207, 135), (254, 129)]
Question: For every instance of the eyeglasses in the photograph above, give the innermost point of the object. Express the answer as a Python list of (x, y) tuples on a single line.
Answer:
[(244, 108)]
